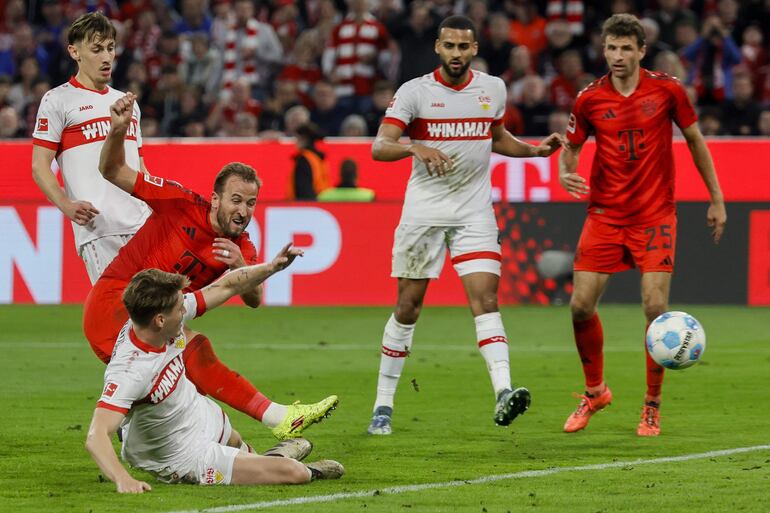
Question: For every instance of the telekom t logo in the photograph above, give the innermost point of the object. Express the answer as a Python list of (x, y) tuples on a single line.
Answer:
[(631, 142)]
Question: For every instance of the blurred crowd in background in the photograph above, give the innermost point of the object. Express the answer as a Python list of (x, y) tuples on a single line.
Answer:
[(247, 68)]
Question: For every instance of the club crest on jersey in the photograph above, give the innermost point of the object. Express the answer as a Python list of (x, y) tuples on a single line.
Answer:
[(110, 389), (485, 102), (179, 342), (649, 107), (42, 125)]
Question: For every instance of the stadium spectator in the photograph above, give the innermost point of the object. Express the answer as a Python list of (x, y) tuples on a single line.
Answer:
[(310, 176), (557, 121), (273, 110), (528, 27), (669, 63), (20, 94), (164, 98), (348, 189), (201, 66), (710, 121), (284, 22), (569, 81), (559, 39), (416, 38), (593, 53), (14, 15), (357, 54), (479, 64), (652, 42), (754, 56), (23, 45), (49, 34), (294, 118), (519, 66), (10, 124), (168, 56), (711, 59), (570, 10), (40, 86), (669, 16), (189, 120), (496, 50), (534, 106), (194, 19), (478, 12), (5, 87), (740, 115), (328, 113), (143, 42), (383, 94), (252, 51), (764, 123), (222, 115), (303, 68), (354, 125)]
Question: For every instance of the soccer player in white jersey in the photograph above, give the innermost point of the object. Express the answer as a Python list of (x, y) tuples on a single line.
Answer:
[(72, 123), (454, 120), (169, 429)]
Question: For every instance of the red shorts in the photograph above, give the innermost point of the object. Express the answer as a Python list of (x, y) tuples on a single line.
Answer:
[(610, 248), (104, 316)]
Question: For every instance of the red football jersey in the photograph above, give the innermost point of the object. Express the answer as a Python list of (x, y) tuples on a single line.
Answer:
[(632, 177), (176, 238)]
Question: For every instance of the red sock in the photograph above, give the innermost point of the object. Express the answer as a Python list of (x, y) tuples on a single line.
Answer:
[(654, 373), (589, 339), (214, 378)]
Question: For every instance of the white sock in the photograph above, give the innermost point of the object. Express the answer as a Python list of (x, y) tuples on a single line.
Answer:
[(493, 345), (274, 414), (396, 344)]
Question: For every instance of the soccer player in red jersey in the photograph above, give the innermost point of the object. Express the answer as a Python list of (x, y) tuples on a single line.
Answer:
[(631, 212), (187, 235)]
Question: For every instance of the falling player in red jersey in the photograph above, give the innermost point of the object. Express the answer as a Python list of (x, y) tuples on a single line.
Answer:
[(631, 212), (187, 235)]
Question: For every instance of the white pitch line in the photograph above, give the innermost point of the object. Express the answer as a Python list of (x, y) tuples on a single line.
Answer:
[(480, 480), (514, 348)]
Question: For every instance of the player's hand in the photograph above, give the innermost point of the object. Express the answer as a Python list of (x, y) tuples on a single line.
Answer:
[(574, 184), (286, 256), (81, 212), (131, 485), (121, 112), (716, 217), (549, 145), (436, 162), (228, 252)]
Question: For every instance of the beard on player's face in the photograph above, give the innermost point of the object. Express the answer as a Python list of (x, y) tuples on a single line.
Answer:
[(455, 72), (232, 223)]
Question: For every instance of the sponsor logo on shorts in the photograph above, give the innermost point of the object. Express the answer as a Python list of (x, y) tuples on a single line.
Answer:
[(213, 476)]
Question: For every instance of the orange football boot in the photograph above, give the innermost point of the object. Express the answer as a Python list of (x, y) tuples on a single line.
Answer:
[(650, 424), (588, 406)]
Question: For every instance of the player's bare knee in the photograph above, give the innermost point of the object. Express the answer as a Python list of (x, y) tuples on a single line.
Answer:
[(235, 439), (581, 309), (652, 309), (408, 311)]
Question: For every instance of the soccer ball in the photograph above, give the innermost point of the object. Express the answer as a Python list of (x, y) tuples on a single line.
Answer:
[(676, 340)]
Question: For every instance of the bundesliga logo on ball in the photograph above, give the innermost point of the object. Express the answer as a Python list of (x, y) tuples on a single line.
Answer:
[(676, 340)]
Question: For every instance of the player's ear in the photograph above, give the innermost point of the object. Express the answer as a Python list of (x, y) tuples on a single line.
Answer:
[(475, 48), (435, 46), (73, 51), (214, 200)]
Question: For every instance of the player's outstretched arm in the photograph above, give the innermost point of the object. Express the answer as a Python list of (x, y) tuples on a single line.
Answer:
[(112, 161), (103, 426), (572, 182), (386, 148), (246, 279), (81, 212), (716, 216), (504, 143)]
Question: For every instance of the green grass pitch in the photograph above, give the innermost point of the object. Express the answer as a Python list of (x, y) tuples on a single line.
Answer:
[(443, 428)]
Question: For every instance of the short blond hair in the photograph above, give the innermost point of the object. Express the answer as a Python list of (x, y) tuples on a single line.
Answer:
[(151, 292)]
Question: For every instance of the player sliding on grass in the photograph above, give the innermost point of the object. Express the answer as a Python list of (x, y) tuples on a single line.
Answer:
[(631, 211), (454, 118), (202, 240), (169, 429)]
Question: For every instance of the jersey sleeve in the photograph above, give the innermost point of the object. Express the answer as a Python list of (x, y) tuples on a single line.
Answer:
[(122, 389), (578, 126), (501, 100), (402, 109), (248, 250), (682, 110), (194, 305), (49, 123), (138, 115), (161, 194)]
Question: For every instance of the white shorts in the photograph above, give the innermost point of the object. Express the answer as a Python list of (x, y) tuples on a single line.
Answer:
[(419, 251), (207, 460), (98, 253)]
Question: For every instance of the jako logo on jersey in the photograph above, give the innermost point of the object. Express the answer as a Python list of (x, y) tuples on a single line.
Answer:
[(99, 130), (167, 380), (439, 105), (42, 125), (448, 129), (110, 389), (86, 107)]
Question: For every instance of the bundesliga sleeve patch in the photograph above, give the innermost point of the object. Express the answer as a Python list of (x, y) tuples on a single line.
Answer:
[(110, 389), (154, 180), (42, 125)]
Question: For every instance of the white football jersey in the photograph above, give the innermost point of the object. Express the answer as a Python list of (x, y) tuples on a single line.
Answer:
[(167, 417), (457, 120), (74, 121)]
